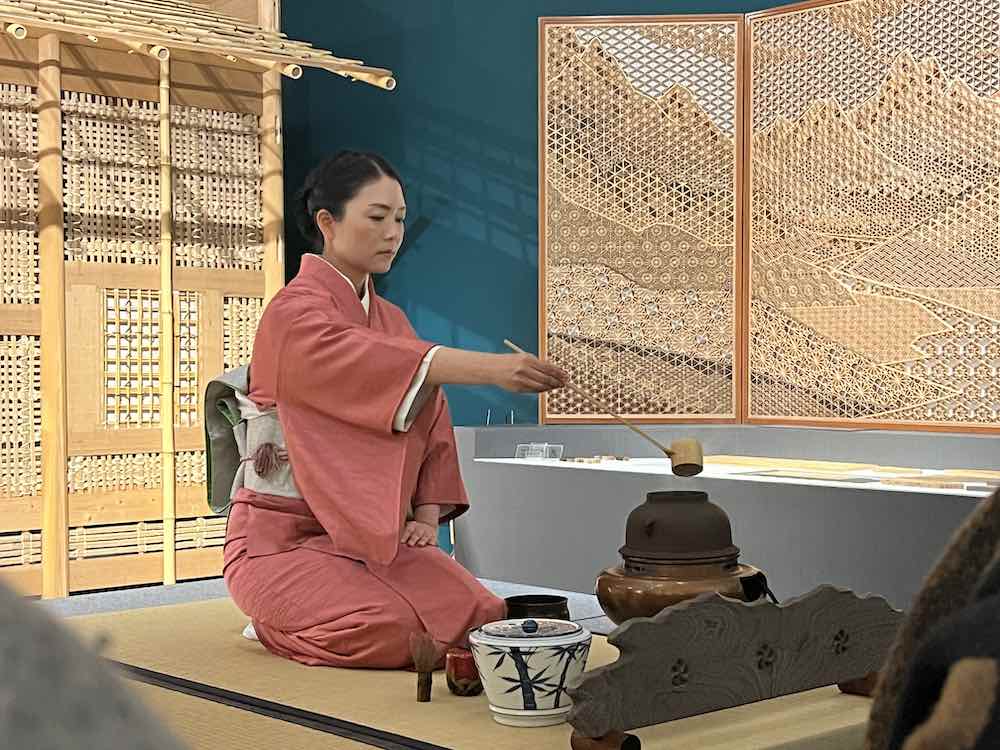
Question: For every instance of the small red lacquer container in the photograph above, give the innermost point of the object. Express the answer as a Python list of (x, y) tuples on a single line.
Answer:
[(460, 669)]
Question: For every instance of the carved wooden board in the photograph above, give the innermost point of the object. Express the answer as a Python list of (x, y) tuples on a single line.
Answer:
[(713, 652)]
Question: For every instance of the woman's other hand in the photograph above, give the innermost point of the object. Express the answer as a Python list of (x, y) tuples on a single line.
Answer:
[(419, 534), (525, 373)]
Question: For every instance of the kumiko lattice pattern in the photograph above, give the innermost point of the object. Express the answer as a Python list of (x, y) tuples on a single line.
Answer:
[(218, 215), (20, 548), (639, 214), (132, 357), (875, 210), (186, 395), (111, 176), (841, 52), (20, 416), (18, 194), (118, 539), (241, 315)]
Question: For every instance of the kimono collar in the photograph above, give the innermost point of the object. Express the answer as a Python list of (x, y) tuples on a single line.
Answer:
[(337, 283)]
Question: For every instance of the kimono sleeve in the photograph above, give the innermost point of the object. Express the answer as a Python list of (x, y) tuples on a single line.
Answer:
[(348, 372), (440, 480)]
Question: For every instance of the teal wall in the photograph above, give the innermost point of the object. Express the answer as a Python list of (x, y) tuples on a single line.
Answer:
[(461, 128)]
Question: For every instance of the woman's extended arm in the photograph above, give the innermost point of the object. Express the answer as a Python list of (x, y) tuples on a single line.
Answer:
[(521, 373)]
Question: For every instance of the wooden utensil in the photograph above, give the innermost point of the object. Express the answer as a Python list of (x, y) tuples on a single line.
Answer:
[(686, 458)]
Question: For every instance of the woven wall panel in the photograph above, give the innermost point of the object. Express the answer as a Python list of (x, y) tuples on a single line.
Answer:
[(132, 357), (639, 215), (241, 316), (126, 472), (875, 209), (18, 194), (218, 214), (20, 416), (111, 175), (187, 397)]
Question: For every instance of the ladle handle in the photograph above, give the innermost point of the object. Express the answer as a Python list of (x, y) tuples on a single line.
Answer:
[(602, 406)]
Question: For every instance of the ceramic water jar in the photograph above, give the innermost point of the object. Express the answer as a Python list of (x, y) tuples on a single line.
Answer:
[(526, 667)]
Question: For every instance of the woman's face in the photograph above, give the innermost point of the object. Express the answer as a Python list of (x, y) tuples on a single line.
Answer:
[(367, 237)]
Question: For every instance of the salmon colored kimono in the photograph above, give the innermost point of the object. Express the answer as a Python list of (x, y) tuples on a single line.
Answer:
[(324, 577)]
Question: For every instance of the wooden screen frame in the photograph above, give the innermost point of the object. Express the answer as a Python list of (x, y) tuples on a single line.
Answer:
[(737, 395)]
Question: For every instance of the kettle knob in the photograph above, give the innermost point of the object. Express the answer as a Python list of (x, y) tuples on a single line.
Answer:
[(529, 626)]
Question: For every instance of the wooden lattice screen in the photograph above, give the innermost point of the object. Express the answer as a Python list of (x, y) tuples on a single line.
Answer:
[(875, 214), (863, 286), (639, 214), (139, 343)]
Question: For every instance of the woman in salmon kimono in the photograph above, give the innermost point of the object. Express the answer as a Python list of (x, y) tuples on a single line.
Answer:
[(330, 545)]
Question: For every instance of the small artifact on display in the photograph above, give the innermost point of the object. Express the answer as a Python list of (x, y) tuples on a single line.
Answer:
[(539, 450), (526, 667), (686, 455), (595, 459), (678, 544)]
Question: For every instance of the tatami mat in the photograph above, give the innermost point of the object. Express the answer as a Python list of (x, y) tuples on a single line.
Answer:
[(201, 641), (204, 725)]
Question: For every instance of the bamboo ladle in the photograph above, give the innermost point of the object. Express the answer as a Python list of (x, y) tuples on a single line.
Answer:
[(686, 457)]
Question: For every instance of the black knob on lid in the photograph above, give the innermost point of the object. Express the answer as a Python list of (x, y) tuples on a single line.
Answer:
[(529, 626)]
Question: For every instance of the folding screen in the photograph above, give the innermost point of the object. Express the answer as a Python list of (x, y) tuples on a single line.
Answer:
[(639, 159), (874, 264), (869, 289)]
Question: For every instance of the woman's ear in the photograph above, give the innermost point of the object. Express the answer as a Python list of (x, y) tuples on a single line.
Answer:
[(327, 225)]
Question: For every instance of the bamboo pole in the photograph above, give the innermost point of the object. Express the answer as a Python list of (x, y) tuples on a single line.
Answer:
[(220, 39), (272, 164), (158, 51), (55, 490), (167, 343)]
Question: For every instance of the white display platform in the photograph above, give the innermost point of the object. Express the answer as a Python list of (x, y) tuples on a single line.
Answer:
[(661, 467)]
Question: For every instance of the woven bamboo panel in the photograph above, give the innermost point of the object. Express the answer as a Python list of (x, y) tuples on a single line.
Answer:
[(132, 357), (18, 194), (186, 392), (218, 214), (111, 179), (875, 213), (639, 144), (241, 316), (20, 417), (125, 472)]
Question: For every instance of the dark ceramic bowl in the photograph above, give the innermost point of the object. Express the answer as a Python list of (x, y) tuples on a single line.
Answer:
[(537, 605)]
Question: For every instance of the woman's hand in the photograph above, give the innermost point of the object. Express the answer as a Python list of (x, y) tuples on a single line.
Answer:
[(524, 373), (419, 534)]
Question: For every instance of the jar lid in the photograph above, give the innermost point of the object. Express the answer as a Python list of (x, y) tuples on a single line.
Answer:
[(530, 628)]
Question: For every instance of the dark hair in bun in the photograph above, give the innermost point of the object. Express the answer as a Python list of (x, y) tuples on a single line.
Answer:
[(332, 184)]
